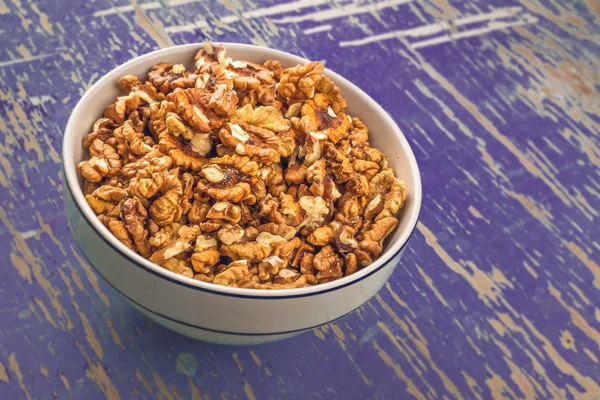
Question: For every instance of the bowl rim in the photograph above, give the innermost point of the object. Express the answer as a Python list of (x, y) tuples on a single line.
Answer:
[(91, 219)]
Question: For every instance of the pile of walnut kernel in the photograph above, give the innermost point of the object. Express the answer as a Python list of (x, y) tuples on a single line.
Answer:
[(241, 174)]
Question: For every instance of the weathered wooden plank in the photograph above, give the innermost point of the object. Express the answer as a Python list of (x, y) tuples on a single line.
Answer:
[(498, 292)]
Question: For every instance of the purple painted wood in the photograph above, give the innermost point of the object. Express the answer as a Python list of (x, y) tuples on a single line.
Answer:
[(497, 296)]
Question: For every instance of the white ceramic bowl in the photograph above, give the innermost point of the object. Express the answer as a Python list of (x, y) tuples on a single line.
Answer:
[(218, 313)]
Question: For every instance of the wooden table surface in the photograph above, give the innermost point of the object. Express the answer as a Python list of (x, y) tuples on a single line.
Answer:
[(497, 295)]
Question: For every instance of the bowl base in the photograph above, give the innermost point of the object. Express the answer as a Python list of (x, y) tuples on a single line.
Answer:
[(214, 337)]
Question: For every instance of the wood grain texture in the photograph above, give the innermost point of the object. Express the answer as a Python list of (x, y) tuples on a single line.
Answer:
[(498, 293)]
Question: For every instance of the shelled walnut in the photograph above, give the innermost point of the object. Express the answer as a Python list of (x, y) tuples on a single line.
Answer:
[(241, 174)]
